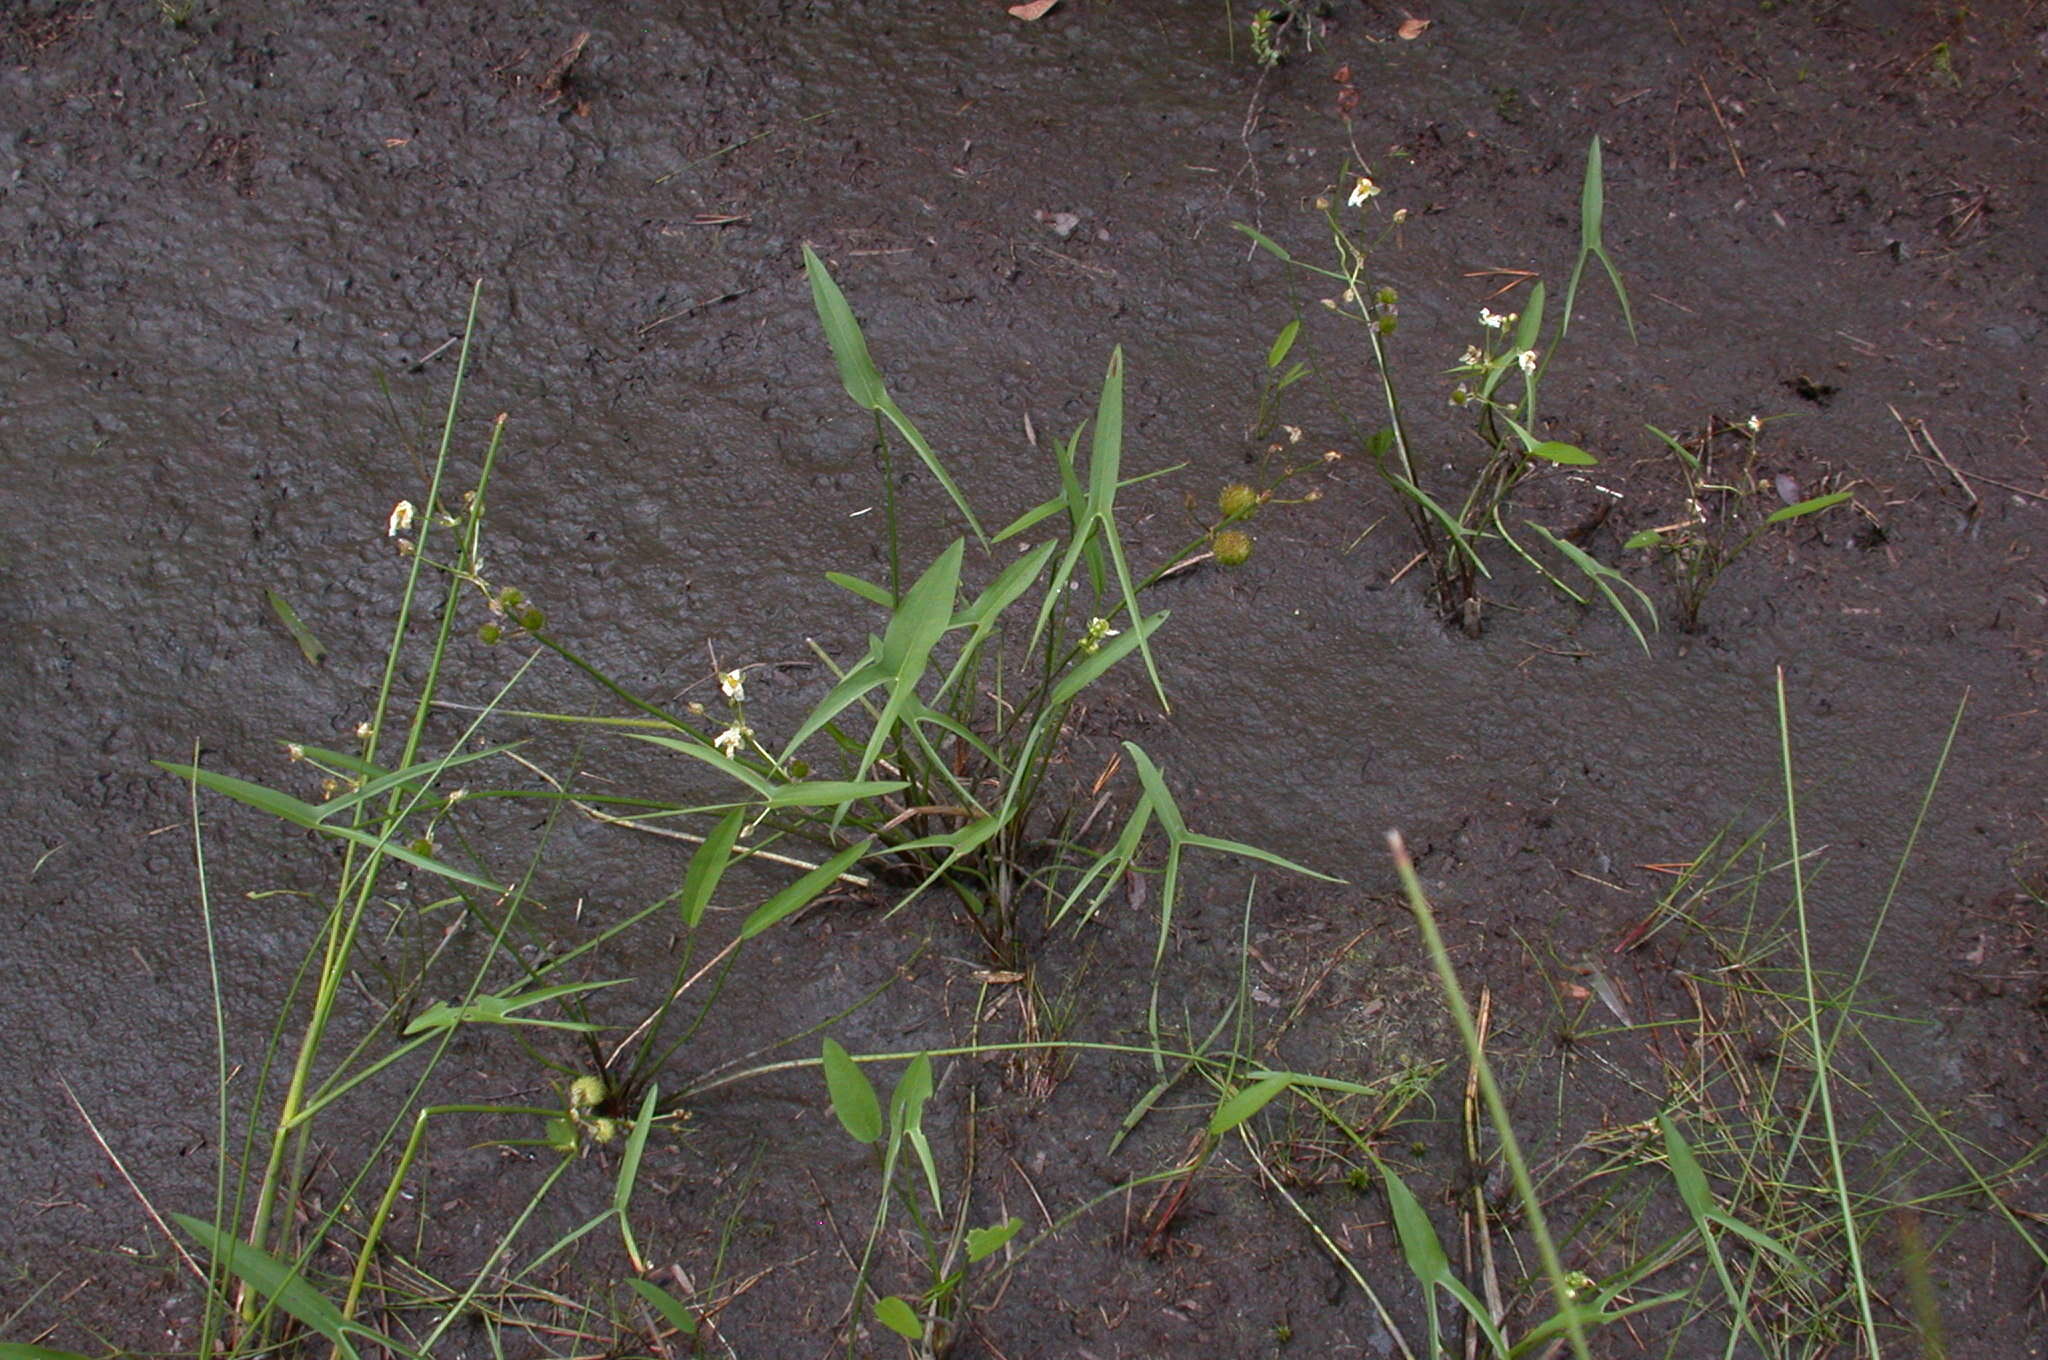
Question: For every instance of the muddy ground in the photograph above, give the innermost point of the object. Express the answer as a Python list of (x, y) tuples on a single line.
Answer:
[(235, 250)]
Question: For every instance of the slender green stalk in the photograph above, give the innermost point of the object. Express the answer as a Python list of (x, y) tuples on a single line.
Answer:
[(344, 920), (1496, 1107), (1821, 1076), (209, 1327), (368, 1251)]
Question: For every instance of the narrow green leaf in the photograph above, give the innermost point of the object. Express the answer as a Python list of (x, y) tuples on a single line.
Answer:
[(1648, 538), (1010, 584), (1600, 574), (919, 622), (276, 1280), (1245, 1103), (867, 590), (1686, 455), (629, 1175), (296, 626), (1105, 455), (823, 793), (906, 1118), (1420, 1246), (1461, 537), (306, 815), (699, 750), (14, 1350), (1036, 514), (1807, 507), (1088, 669), (1756, 1237), (1282, 343), (1550, 450), (863, 381), (1530, 326), (419, 774), (1303, 1079), (800, 893), (1161, 797), (1265, 242), (491, 1009), (899, 1317), (857, 369), (707, 867), (853, 1095), (1196, 840), (857, 682), (983, 1243), (1593, 195), (671, 1308), (930, 458)]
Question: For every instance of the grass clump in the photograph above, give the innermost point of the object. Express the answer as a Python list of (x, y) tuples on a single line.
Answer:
[(1498, 380), (1723, 515), (928, 766)]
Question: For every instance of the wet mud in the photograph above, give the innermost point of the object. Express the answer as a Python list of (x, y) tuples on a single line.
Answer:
[(236, 252)]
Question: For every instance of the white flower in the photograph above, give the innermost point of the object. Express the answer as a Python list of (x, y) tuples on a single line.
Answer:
[(1099, 632), (401, 519), (734, 683), (1754, 425), (1495, 321), (1472, 358), (731, 739), (364, 731), (1361, 191), (1400, 216), (1527, 359)]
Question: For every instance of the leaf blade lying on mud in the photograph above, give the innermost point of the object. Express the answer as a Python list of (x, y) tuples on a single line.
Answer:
[(1812, 506), (1243, 1104), (671, 1308), (296, 626), (284, 1285), (298, 813), (800, 893)]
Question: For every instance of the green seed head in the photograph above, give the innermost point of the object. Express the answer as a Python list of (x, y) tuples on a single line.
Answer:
[(585, 1092), (532, 620), (1233, 547), (604, 1130), (1237, 501), (490, 635)]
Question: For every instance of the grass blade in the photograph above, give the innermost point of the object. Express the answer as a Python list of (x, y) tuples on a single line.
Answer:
[(857, 369), (671, 1309), (863, 381), (296, 626), (1245, 1103), (799, 894), (1811, 506), (629, 1175), (284, 1285), (1496, 1104), (707, 867), (1822, 1051)]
